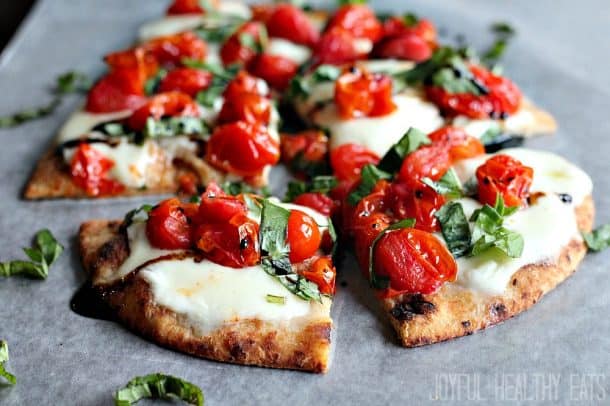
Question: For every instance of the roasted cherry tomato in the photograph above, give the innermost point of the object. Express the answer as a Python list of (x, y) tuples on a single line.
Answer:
[(310, 145), (461, 145), (242, 148), (249, 107), (188, 183), (262, 12), (236, 49), (347, 160), (276, 70), (429, 161), (359, 93), (423, 28), (89, 170), (303, 236), (358, 19), (322, 273), (135, 59), (233, 243), (173, 104), (243, 83), (415, 261), (404, 46), (218, 207), (187, 7), (121, 89), (317, 201), (336, 47), (171, 49), (168, 226), (186, 80), (505, 176), (365, 230), (290, 22), (501, 97), (417, 201)]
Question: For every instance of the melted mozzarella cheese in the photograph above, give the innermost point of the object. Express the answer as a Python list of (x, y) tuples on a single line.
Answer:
[(519, 123), (81, 122), (298, 54), (379, 134), (476, 128), (552, 173), (547, 227)]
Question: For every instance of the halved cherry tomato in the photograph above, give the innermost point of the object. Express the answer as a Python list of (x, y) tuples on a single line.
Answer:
[(417, 201), (249, 107), (336, 47), (501, 99), (317, 201), (276, 70), (461, 145), (415, 261), (242, 83), (186, 7), (423, 28), (218, 207), (233, 243), (121, 89), (365, 230), (171, 49), (347, 160), (303, 236), (322, 273), (429, 161), (236, 50), (505, 176), (310, 145), (406, 46), (242, 148), (173, 104), (186, 80), (358, 19), (89, 170), (359, 93), (290, 22), (168, 226), (135, 59)]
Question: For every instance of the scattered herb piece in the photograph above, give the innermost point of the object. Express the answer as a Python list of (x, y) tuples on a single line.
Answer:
[(73, 82), (455, 228), (598, 239), (158, 386), (300, 85), (137, 215), (503, 33), (276, 299), (42, 254), (410, 19), (369, 177), (489, 231), (3, 359), (152, 84), (175, 126), (29, 114), (238, 187), (449, 185), (319, 184), (382, 282), (411, 141)]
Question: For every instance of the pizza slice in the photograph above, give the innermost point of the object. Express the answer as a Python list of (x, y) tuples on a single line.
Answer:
[(237, 279), (454, 240)]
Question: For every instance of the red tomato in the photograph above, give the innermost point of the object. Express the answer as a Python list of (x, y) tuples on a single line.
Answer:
[(89, 170), (291, 23), (218, 207), (322, 273), (317, 201), (187, 183), (404, 46), (336, 47), (305, 147), (424, 29), (262, 12), (503, 97), (429, 161), (168, 226), (358, 19), (276, 70), (186, 7), (461, 145), (173, 104), (359, 93), (234, 50), (233, 243), (249, 107), (303, 236), (420, 202), (242, 83), (415, 261), (347, 160), (121, 89), (365, 230), (242, 148), (506, 176), (135, 59), (171, 49), (186, 80)]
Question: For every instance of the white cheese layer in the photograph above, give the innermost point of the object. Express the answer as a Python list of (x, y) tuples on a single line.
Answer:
[(298, 54), (519, 123), (81, 122), (547, 227)]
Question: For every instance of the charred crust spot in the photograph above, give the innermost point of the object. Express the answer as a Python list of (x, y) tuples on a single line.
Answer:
[(498, 310), (466, 324), (411, 306), (565, 197)]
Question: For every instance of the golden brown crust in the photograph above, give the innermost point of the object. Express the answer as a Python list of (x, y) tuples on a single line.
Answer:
[(454, 311), (302, 345), (542, 121)]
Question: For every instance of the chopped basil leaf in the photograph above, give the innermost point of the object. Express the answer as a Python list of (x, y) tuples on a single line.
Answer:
[(254, 206), (158, 386), (300, 85), (208, 97), (319, 184), (377, 281), (490, 135), (326, 73), (470, 187), (449, 185), (29, 114), (411, 141), (249, 41), (598, 239), (276, 299), (237, 188), (220, 32), (503, 32), (42, 254), (152, 84), (503, 28), (175, 126), (11, 379), (410, 19), (489, 232), (369, 177), (137, 215), (455, 228), (73, 82)]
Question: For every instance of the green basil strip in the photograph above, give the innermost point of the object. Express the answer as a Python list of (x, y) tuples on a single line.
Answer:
[(319, 184), (598, 239), (175, 126), (455, 228), (10, 378), (158, 386), (411, 141), (29, 114), (489, 232), (449, 185), (275, 299), (379, 282), (140, 215), (73, 82), (42, 255), (369, 177)]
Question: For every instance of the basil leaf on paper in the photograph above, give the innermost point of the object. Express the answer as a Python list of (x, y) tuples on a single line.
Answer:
[(42, 255), (158, 386), (10, 378), (598, 239)]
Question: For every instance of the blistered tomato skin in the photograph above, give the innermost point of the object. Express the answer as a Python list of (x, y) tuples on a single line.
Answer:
[(359, 20), (242, 83), (168, 227), (317, 201), (303, 236), (174, 104), (290, 22), (235, 51), (408, 47), (417, 201), (249, 107), (504, 176), (322, 273), (424, 29), (119, 90), (90, 171), (276, 70), (461, 145), (312, 145), (347, 160), (359, 93), (186, 80), (430, 161), (336, 47), (414, 261)]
